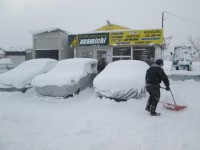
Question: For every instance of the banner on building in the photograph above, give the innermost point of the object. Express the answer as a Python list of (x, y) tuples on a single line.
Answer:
[(89, 39), (136, 37), (131, 37)]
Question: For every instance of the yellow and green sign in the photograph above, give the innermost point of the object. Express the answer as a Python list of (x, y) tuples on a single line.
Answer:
[(131, 37), (89, 39), (136, 37)]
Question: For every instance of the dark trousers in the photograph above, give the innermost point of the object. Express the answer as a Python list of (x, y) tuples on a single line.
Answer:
[(100, 69), (154, 92)]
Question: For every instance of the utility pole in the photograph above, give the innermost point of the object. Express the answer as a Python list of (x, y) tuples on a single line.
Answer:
[(163, 19)]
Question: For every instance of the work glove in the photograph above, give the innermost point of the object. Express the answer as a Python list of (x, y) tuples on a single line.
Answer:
[(167, 88)]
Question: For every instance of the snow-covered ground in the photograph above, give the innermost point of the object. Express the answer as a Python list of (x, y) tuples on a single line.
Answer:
[(86, 122)]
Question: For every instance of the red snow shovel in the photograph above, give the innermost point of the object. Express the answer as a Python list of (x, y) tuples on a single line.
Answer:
[(173, 106)]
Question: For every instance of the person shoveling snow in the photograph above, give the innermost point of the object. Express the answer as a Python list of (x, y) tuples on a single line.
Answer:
[(154, 76)]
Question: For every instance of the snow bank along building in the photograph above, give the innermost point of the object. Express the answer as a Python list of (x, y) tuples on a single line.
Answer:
[(119, 43), (51, 43)]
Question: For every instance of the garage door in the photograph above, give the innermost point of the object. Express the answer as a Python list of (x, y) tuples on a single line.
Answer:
[(46, 54)]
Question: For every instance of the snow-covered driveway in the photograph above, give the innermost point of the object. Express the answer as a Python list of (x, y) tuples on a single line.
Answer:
[(85, 122)]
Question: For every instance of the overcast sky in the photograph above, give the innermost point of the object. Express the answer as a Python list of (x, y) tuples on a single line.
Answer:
[(19, 17)]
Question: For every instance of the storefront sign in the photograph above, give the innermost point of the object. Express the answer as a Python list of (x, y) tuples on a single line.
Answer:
[(89, 39), (132, 37), (136, 37)]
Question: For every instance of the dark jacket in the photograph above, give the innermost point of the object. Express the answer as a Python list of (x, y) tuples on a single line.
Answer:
[(155, 75), (101, 64)]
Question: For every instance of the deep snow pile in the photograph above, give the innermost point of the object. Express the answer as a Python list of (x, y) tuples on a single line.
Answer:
[(85, 122)]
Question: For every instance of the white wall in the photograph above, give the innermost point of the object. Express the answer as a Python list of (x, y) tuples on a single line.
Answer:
[(159, 54)]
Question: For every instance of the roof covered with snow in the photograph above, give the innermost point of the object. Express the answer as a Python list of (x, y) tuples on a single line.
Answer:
[(53, 29)]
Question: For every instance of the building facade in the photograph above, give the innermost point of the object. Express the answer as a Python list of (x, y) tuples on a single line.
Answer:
[(51, 43), (145, 45)]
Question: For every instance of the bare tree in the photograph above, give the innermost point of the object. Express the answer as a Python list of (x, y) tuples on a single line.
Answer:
[(195, 43)]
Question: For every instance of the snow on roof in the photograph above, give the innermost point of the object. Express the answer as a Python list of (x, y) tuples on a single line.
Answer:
[(53, 29), (18, 48), (111, 27), (106, 31), (2, 51)]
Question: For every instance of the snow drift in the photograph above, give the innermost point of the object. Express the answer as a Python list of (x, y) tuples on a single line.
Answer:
[(20, 77), (122, 80), (69, 76)]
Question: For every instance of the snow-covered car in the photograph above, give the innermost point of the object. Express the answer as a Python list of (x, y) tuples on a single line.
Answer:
[(183, 58), (68, 77), (19, 78), (6, 64), (122, 80)]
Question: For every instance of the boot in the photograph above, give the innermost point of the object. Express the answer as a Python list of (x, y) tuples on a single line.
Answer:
[(153, 113), (147, 109)]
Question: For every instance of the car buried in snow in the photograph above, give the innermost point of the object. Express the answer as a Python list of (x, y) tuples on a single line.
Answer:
[(70, 76), (19, 78), (122, 80), (182, 58)]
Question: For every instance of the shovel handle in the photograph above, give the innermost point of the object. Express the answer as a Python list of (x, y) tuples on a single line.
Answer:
[(173, 97), (171, 94)]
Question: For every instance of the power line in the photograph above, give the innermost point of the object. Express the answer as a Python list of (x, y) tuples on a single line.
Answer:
[(183, 18)]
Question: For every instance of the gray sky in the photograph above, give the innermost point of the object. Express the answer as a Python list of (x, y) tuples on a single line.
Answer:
[(19, 17)]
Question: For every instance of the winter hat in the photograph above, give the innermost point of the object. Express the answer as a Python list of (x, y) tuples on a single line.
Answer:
[(159, 61)]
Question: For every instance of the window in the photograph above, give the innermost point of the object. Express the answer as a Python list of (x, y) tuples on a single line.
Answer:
[(121, 53), (121, 58), (83, 52)]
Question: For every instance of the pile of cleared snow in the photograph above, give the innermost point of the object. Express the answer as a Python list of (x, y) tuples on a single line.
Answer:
[(67, 72), (23, 74), (167, 67)]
